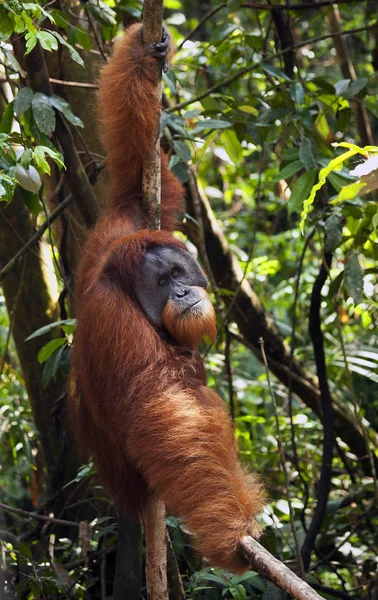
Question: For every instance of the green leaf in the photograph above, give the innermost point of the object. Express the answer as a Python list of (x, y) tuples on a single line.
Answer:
[(71, 50), (343, 118), (7, 185), (12, 62), (64, 107), (174, 160), (40, 160), (210, 124), (43, 113), (48, 41), (274, 72), (337, 180), (26, 158), (353, 279), (102, 12), (349, 192), (23, 100), (271, 592), (232, 145), (306, 118), (289, 170), (306, 154), (335, 285), (49, 327), (300, 191), (48, 349), (297, 92), (6, 23), (238, 592), (222, 32), (202, 151), (170, 81), (7, 119), (356, 87), (333, 232), (321, 125), (180, 170), (342, 86), (251, 110), (32, 201), (182, 151), (31, 41), (52, 365)]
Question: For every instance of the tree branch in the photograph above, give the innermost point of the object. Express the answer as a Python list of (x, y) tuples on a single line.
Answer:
[(80, 84), (154, 518), (275, 571), (151, 186)]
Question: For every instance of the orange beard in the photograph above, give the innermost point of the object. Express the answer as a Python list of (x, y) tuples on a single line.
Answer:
[(189, 328)]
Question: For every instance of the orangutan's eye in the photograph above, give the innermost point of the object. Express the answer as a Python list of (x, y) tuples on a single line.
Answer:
[(162, 280), (174, 272)]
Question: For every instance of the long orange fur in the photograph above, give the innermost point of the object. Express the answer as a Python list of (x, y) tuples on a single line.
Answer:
[(139, 404)]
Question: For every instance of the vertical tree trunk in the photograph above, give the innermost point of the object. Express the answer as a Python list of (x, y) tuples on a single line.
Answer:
[(156, 548)]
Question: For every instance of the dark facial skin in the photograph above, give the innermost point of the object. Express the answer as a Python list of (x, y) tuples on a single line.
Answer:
[(168, 272)]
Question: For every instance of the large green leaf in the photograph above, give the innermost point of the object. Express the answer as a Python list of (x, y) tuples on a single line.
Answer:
[(43, 113), (48, 349), (333, 232), (300, 191), (353, 279), (23, 100), (64, 107)]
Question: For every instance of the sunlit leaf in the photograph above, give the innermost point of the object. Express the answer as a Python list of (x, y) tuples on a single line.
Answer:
[(49, 327), (48, 349), (47, 41)]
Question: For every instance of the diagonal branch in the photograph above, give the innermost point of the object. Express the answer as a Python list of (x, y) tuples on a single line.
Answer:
[(275, 571)]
